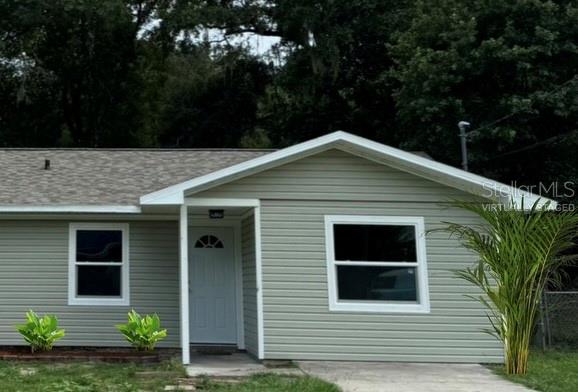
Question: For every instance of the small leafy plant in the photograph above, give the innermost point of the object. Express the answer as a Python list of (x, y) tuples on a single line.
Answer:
[(40, 332), (142, 332)]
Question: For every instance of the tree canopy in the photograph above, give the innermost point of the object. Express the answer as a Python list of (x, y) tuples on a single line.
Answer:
[(169, 73)]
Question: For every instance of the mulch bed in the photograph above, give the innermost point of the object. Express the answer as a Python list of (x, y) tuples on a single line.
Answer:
[(60, 354)]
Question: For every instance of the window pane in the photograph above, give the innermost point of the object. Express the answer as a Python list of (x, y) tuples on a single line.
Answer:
[(97, 280), (374, 243), (376, 283), (99, 245), (209, 241)]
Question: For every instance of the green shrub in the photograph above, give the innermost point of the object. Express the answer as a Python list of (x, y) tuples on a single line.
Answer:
[(40, 332), (142, 332)]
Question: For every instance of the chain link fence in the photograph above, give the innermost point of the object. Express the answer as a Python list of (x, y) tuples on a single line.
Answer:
[(559, 323)]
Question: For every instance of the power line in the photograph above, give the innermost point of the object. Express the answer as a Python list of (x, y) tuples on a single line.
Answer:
[(476, 131), (553, 139), (464, 135)]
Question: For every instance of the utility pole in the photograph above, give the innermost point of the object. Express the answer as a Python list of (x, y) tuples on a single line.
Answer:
[(464, 126)]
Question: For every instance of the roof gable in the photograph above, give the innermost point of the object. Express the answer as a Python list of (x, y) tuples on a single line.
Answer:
[(390, 156), (335, 175)]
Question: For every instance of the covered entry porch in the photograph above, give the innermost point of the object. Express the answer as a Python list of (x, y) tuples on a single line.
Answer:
[(220, 275)]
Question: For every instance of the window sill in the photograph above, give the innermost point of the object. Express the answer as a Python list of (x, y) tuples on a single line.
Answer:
[(378, 308), (99, 301)]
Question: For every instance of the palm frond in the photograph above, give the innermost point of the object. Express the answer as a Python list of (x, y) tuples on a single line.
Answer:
[(520, 252)]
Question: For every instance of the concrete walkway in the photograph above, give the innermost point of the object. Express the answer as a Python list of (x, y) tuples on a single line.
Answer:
[(364, 376), (409, 377)]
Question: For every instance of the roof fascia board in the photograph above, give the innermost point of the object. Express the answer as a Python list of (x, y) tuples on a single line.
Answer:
[(214, 202), (71, 209), (444, 174), (412, 163), (257, 169), (175, 193)]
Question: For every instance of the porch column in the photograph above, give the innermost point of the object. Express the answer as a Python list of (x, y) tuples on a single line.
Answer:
[(259, 283), (184, 276)]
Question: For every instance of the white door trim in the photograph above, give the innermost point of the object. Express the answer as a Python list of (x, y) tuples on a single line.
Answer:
[(236, 225), (239, 286)]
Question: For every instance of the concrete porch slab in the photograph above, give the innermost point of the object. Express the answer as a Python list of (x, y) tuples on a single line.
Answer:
[(233, 365)]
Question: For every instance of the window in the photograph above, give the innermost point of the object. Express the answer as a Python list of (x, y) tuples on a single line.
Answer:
[(376, 264), (209, 241), (98, 264)]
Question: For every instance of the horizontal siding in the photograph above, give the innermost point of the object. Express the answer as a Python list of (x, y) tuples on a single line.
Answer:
[(335, 175), (249, 285), (298, 325), (34, 275)]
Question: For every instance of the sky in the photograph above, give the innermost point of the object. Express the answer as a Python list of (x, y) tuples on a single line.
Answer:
[(258, 45)]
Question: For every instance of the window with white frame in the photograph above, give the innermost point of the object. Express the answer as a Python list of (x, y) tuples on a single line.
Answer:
[(98, 264), (376, 264)]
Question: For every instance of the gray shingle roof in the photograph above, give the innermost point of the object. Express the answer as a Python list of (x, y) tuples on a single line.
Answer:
[(103, 176)]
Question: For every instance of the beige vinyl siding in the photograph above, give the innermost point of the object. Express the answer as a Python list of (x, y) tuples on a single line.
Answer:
[(34, 275), (335, 175), (297, 322), (249, 285)]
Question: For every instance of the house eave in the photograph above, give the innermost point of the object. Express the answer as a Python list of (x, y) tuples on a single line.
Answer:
[(402, 160), (70, 209)]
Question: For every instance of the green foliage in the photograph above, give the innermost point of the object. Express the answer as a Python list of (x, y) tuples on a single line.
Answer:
[(105, 377), (519, 254), (40, 332), (142, 332), (506, 66), (550, 371), (270, 382), (336, 74), (88, 376), (210, 100)]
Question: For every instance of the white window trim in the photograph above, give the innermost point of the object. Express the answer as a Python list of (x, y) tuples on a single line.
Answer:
[(73, 299), (335, 305)]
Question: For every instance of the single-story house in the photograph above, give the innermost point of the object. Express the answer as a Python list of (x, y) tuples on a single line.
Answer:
[(316, 251)]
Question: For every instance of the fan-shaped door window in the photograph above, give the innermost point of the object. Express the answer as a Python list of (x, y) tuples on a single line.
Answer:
[(209, 241)]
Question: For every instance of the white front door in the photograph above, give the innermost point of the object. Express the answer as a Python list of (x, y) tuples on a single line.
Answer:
[(213, 313)]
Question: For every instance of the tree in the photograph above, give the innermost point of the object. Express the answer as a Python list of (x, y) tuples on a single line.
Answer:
[(335, 62), (508, 67), (520, 252), (210, 100), (335, 77), (141, 73), (73, 69)]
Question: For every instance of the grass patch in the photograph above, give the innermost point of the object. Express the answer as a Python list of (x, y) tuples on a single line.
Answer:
[(127, 377), (271, 382), (85, 376), (551, 371)]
